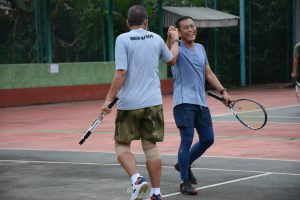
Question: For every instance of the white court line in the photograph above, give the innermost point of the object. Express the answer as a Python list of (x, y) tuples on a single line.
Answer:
[(229, 113), (282, 107), (166, 154), (236, 170), (242, 158), (282, 117), (59, 162), (218, 184), (283, 123), (139, 165), (234, 121), (277, 117)]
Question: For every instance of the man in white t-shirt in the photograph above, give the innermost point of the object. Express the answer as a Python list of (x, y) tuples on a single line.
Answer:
[(140, 111)]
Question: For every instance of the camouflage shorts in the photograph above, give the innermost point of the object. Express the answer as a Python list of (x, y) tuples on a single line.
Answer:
[(145, 123)]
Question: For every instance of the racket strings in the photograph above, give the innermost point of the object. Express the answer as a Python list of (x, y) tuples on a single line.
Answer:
[(250, 113)]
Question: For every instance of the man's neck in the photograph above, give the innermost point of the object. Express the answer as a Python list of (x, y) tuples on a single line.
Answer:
[(136, 27), (189, 44)]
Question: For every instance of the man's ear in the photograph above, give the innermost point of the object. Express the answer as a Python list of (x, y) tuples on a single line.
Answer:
[(127, 22), (146, 23)]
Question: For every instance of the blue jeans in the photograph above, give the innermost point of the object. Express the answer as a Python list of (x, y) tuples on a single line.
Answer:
[(187, 118)]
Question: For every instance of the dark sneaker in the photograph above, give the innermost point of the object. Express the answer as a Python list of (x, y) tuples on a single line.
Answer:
[(187, 188), (139, 189), (155, 197), (191, 176)]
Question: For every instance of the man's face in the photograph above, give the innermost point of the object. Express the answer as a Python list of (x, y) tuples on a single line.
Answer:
[(187, 30)]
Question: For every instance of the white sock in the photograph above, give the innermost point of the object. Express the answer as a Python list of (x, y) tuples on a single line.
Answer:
[(134, 178), (155, 191)]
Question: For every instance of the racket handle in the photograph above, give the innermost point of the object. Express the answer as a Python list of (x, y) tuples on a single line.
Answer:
[(85, 137), (81, 141), (113, 102), (210, 93)]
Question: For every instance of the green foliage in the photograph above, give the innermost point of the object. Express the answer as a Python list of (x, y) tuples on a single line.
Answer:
[(269, 40), (6, 24), (16, 40), (79, 34), (77, 30)]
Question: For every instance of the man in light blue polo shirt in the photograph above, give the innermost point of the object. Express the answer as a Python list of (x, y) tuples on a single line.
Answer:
[(140, 112), (190, 106)]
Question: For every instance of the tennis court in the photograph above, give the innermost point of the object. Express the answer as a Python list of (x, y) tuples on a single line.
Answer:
[(40, 157)]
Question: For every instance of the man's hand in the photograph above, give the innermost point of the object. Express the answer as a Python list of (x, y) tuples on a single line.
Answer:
[(226, 98), (173, 33), (294, 75), (104, 107), (171, 28)]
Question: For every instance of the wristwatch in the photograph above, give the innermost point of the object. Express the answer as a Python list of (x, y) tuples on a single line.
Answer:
[(175, 40), (222, 91)]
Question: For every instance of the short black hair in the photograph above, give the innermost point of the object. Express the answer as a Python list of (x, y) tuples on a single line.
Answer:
[(137, 14), (177, 23)]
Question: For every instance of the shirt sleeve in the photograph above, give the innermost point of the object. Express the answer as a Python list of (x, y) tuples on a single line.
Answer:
[(121, 54), (165, 54)]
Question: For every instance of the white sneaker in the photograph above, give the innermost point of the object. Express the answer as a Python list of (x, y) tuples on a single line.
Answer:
[(140, 189)]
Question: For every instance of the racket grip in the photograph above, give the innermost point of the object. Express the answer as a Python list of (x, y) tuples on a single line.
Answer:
[(85, 137), (81, 141), (113, 102), (210, 93)]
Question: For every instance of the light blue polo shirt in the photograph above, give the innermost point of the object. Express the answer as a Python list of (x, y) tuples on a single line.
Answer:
[(138, 52), (189, 76)]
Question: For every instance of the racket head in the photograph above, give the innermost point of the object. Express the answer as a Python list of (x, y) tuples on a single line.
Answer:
[(249, 112), (297, 88)]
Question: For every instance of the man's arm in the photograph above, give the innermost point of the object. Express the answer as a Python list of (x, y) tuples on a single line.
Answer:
[(295, 68), (116, 84), (169, 41), (174, 51), (214, 81), (173, 44), (295, 65)]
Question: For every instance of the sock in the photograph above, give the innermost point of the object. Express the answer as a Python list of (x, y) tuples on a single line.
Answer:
[(155, 191), (134, 178)]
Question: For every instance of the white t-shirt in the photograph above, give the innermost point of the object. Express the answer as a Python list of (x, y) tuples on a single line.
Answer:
[(138, 52)]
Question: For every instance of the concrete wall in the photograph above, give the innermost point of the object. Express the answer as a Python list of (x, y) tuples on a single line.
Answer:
[(14, 76), (29, 84)]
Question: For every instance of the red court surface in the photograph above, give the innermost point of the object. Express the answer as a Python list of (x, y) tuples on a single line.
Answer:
[(59, 127)]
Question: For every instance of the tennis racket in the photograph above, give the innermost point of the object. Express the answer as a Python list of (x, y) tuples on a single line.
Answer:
[(249, 112), (96, 122), (297, 88)]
